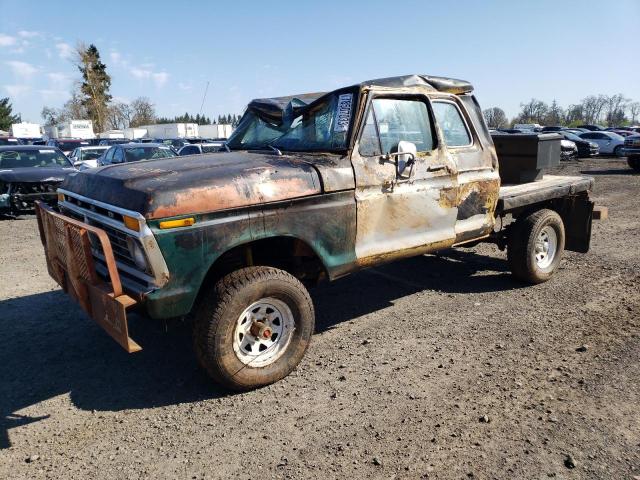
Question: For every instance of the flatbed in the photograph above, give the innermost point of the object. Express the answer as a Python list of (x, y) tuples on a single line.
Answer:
[(549, 187)]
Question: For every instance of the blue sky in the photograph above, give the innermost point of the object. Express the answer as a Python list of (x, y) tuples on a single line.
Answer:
[(511, 51)]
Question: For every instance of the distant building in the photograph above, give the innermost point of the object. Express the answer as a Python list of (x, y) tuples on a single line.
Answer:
[(71, 129)]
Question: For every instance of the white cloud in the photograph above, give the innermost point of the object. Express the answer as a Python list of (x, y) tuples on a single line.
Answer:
[(160, 79), (28, 34), (22, 69), (6, 40), (140, 73), (184, 86), (58, 79), (16, 90), (115, 57), (52, 95), (65, 50)]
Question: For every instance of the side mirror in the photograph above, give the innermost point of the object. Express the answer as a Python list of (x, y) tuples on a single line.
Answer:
[(76, 164), (405, 158)]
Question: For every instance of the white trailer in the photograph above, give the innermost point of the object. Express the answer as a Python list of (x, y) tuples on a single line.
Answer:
[(215, 131), (134, 133), (111, 134), (171, 130), (26, 130), (71, 129)]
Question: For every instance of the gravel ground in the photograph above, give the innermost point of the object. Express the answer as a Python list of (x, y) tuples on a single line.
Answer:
[(439, 366)]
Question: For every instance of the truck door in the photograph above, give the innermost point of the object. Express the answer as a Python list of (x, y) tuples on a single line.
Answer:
[(404, 200), (478, 180)]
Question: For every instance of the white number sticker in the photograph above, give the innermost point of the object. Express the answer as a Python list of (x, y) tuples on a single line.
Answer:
[(343, 113)]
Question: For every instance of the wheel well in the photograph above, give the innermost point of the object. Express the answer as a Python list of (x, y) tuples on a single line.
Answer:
[(286, 253)]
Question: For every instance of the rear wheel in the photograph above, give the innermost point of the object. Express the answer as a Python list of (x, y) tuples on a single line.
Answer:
[(253, 328), (634, 162), (535, 246), (618, 151)]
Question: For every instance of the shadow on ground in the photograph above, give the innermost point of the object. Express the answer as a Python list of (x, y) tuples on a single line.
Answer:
[(610, 171), (52, 348)]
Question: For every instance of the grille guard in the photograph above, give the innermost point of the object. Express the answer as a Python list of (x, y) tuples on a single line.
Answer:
[(70, 263)]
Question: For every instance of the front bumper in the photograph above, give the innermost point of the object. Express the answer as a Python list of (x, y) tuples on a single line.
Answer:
[(630, 152), (70, 263)]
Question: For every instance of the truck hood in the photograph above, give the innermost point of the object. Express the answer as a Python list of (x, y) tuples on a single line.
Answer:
[(34, 174), (197, 184)]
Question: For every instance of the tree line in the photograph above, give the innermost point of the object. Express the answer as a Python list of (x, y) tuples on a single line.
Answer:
[(91, 99), (610, 110)]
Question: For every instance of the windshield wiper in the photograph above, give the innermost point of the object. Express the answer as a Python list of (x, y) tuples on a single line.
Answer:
[(276, 150)]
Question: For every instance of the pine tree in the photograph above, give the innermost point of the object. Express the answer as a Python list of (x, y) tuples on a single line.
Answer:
[(95, 85), (6, 115)]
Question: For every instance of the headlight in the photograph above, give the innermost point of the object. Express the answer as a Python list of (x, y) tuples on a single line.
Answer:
[(136, 252)]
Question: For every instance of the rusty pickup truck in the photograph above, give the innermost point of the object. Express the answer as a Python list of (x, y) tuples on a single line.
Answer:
[(309, 190)]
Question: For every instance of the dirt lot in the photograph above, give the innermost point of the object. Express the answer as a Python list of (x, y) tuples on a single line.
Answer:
[(434, 367)]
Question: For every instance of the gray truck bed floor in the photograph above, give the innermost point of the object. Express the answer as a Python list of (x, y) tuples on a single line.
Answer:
[(548, 187)]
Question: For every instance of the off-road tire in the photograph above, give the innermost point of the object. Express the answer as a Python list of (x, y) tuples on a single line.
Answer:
[(522, 243), (216, 316), (634, 163)]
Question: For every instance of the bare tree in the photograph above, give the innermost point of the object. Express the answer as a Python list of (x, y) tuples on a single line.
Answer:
[(142, 112), (555, 114), (495, 117), (634, 111), (615, 108), (592, 108), (534, 111), (119, 115)]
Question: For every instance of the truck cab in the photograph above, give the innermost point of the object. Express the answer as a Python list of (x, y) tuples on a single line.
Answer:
[(385, 169)]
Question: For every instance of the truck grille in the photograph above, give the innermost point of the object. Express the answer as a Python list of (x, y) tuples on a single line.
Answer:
[(131, 275)]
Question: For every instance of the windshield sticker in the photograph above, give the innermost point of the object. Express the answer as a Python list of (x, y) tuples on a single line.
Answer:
[(343, 113), (45, 151)]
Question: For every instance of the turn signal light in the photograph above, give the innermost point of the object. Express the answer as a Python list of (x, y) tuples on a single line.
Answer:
[(131, 223), (183, 222), (61, 197)]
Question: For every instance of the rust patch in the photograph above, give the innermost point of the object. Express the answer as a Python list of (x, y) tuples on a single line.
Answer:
[(403, 253), (241, 192)]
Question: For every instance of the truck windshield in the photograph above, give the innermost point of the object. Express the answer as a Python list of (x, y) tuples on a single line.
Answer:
[(33, 158), (323, 126), (145, 153), (254, 132)]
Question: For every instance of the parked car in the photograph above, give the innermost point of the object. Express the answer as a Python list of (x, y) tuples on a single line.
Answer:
[(577, 130), (29, 173), (10, 141), (609, 142), (592, 128), (113, 141), (568, 150), (87, 157), (624, 133), (199, 148), (556, 128), (513, 130), (67, 145), (585, 147), (631, 150), (536, 127), (134, 152)]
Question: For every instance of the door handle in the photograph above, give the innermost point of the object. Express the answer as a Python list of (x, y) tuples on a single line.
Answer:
[(435, 168)]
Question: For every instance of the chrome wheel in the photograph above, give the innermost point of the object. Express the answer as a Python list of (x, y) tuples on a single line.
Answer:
[(263, 332), (546, 247)]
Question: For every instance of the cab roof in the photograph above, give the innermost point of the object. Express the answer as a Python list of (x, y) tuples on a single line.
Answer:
[(440, 84)]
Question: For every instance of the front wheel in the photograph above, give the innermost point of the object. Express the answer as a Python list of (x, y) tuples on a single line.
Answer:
[(634, 163), (617, 151), (535, 246), (253, 328)]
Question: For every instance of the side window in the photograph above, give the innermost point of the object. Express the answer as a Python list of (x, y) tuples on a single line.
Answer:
[(453, 127), (108, 156), (396, 120), (118, 156), (369, 142), (587, 136)]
